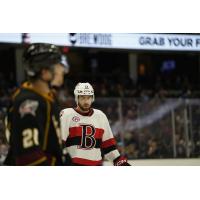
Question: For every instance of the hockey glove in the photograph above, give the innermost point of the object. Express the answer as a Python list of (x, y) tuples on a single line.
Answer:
[(121, 161)]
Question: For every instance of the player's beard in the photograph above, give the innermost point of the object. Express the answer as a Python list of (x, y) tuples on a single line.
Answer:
[(84, 108)]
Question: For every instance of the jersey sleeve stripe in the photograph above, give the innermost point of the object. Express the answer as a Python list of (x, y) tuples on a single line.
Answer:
[(109, 149), (29, 158), (108, 143), (53, 161), (37, 162), (47, 126), (112, 155)]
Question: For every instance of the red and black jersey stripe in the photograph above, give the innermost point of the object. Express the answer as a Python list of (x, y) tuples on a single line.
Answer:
[(77, 141), (108, 146), (75, 137), (77, 131)]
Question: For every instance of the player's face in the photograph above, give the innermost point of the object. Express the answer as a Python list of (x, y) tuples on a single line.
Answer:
[(58, 76), (85, 102), (46, 75)]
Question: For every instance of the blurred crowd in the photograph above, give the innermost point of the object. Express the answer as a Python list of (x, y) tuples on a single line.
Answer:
[(124, 86), (6, 89), (124, 102), (153, 139)]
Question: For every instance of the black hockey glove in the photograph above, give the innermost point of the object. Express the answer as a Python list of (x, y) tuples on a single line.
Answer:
[(121, 161)]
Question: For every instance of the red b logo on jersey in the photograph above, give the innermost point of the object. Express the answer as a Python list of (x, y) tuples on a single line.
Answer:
[(88, 140)]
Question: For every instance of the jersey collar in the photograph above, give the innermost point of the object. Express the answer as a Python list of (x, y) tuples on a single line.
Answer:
[(49, 96), (89, 113)]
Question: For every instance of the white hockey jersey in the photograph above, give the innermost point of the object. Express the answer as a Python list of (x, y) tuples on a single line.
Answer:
[(87, 137)]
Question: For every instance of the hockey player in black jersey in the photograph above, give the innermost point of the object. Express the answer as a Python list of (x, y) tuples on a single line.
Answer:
[(33, 127)]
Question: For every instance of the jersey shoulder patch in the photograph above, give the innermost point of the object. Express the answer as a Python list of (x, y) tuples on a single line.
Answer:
[(28, 106)]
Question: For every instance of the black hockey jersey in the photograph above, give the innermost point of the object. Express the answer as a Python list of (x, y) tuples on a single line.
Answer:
[(34, 129)]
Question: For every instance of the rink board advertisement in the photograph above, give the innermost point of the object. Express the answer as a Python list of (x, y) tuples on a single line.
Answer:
[(128, 41)]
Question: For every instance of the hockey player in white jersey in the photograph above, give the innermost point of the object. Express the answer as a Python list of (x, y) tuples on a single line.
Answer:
[(86, 132)]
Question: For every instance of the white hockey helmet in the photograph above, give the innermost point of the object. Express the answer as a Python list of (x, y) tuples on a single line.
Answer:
[(83, 89)]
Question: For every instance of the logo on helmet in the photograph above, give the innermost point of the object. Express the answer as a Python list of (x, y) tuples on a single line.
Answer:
[(83, 89)]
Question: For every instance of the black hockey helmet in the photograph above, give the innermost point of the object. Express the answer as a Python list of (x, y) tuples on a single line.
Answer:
[(42, 55)]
